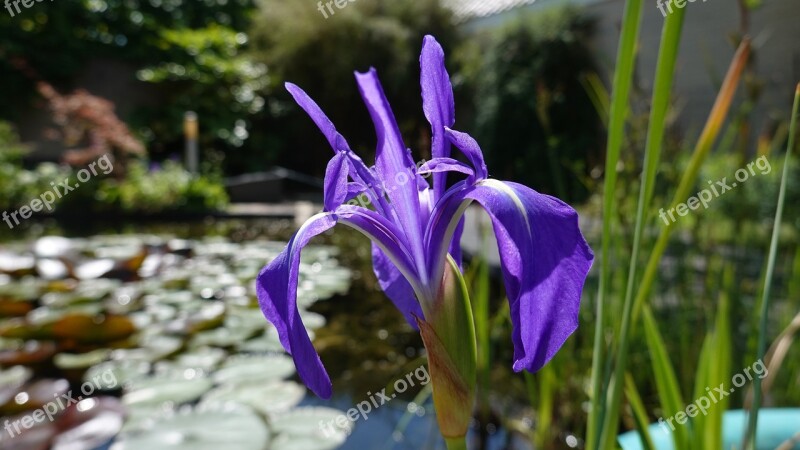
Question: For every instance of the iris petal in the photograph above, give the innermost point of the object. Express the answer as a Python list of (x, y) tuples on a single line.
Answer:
[(276, 288), (395, 286), (393, 162), (336, 188), (437, 103), (544, 258)]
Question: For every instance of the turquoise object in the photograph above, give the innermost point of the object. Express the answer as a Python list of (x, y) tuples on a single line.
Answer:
[(775, 426)]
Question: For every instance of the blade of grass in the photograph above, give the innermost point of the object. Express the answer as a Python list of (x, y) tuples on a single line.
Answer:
[(623, 80), (704, 144), (542, 400), (750, 437), (639, 413), (662, 89), (709, 428), (669, 391)]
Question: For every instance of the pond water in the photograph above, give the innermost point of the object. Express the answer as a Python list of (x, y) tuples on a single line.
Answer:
[(144, 337)]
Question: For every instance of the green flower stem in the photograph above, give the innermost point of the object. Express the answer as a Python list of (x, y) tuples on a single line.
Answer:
[(456, 443)]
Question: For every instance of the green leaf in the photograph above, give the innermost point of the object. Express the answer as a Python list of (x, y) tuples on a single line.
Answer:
[(669, 391), (639, 413)]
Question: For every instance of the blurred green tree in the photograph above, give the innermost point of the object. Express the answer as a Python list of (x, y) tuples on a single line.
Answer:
[(535, 119), (299, 44), (192, 49)]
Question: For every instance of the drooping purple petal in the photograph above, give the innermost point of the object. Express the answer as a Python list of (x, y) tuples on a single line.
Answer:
[(393, 161), (437, 103), (471, 149), (395, 286), (336, 188), (276, 285), (438, 165), (544, 258), (276, 288)]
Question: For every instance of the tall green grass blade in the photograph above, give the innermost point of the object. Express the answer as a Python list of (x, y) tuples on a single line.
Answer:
[(541, 398), (719, 371), (623, 80), (662, 89), (669, 391), (750, 437), (639, 413), (710, 132)]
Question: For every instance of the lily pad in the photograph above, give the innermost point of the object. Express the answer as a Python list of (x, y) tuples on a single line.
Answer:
[(231, 428), (11, 381), (206, 358), (300, 429), (255, 368), (124, 372), (97, 329), (155, 390), (69, 361), (267, 398), (90, 424)]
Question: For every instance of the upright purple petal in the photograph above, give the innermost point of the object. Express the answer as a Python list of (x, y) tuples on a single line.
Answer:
[(336, 189), (322, 121), (395, 286), (276, 288), (358, 170), (437, 103), (393, 162), (544, 257)]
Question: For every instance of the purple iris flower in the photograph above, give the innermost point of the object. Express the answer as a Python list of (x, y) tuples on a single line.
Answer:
[(413, 226)]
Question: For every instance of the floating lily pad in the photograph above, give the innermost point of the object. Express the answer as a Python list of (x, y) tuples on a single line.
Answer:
[(206, 358), (90, 424), (153, 348), (70, 361), (154, 390), (209, 316), (16, 265), (30, 354), (35, 395), (93, 329), (223, 337), (38, 437), (255, 368), (300, 429), (267, 343), (11, 381), (231, 428), (124, 372), (267, 398)]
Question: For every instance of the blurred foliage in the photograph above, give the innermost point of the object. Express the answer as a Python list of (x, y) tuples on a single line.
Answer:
[(299, 45), (188, 49), (534, 119), (144, 190), (167, 188)]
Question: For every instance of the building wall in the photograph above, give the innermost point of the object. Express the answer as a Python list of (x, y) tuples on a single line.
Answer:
[(705, 53)]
